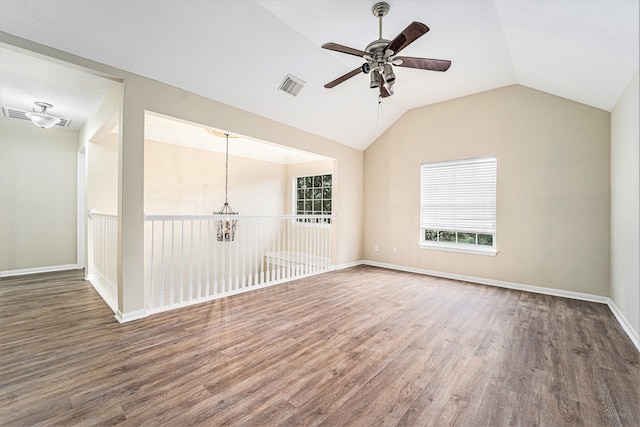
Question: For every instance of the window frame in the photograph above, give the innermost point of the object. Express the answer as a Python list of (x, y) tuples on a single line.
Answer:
[(452, 174), (325, 222)]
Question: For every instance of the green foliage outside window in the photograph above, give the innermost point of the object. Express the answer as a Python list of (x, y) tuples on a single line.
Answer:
[(459, 237)]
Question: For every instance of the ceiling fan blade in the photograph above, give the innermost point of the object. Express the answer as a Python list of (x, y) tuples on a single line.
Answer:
[(385, 90), (424, 63), (343, 78), (344, 49), (407, 36)]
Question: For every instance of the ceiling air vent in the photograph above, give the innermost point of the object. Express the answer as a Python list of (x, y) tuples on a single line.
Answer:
[(292, 85), (13, 113)]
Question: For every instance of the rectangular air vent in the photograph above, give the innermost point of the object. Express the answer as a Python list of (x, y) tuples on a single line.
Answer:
[(291, 85), (13, 113)]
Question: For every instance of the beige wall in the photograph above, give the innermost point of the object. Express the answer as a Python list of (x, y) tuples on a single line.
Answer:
[(552, 190), (142, 95), (38, 190), (625, 205), (188, 181), (163, 99)]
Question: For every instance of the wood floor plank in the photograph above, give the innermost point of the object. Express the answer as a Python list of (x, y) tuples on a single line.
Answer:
[(361, 346)]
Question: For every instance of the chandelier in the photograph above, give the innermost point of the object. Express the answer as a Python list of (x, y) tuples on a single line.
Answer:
[(226, 226)]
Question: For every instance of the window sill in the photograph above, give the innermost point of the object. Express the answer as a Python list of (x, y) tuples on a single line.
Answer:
[(477, 250)]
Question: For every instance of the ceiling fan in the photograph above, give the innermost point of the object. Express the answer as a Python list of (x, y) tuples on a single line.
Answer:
[(381, 55)]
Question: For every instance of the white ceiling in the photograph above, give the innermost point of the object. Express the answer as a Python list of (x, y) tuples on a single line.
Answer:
[(239, 51), (26, 78)]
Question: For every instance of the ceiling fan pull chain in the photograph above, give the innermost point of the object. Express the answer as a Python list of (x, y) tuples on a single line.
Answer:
[(379, 114)]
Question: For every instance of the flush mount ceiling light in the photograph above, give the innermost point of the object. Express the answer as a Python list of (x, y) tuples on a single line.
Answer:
[(42, 118)]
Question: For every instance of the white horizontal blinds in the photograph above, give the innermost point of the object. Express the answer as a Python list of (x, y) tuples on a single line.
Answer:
[(459, 196)]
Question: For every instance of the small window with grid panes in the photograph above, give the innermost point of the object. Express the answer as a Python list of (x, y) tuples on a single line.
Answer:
[(313, 197)]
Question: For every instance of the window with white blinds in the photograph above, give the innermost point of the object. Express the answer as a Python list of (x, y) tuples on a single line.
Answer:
[(458, 204)]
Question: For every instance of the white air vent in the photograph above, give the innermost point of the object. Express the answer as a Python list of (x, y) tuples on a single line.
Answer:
[(292, 85), (13, 113)]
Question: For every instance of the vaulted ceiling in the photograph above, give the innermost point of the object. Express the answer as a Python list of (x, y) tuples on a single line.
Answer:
[(239, 51)]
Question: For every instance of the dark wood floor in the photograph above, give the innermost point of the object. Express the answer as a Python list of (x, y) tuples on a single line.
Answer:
[(362, 346)]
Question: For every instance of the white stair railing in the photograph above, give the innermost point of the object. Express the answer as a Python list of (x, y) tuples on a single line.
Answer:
[(186, 264), (103, 258)]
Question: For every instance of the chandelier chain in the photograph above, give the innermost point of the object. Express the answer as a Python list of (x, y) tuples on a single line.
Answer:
[(226, 171)]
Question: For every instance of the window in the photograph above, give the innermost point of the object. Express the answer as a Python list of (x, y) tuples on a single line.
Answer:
[(458, 205), (313, 197)]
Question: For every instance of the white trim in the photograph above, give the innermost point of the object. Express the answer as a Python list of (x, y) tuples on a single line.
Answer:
[(498, 283), (36, 270), (294, 193), (113, 305), (631, 333), (129, 317), (348, 265), (81, 202), (459, 247)]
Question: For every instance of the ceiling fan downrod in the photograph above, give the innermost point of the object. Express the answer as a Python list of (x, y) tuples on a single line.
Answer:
[(379, 10), (378, 59)]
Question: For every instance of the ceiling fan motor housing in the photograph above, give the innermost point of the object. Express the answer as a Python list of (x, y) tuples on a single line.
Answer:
[(379, 59)]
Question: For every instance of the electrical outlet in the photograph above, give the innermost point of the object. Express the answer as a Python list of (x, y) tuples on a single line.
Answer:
[(395, 249), (376, 248)]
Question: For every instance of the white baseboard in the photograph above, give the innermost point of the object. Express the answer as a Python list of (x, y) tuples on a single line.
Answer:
[(347, 265), (498, 283), (35, 270), (626, 326), (633, 335), (128, 317)]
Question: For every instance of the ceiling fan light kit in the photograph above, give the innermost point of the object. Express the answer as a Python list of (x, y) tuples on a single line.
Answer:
[(380, 55), (42, 118), (375, 79)]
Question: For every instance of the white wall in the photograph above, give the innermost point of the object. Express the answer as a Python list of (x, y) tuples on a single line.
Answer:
[(102, 175), (38, 190), (625, 205)]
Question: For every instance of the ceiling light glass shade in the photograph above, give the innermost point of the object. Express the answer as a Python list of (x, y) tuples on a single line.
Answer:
[(44, 121), (388, 73), (375, 79), (42, 118)]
